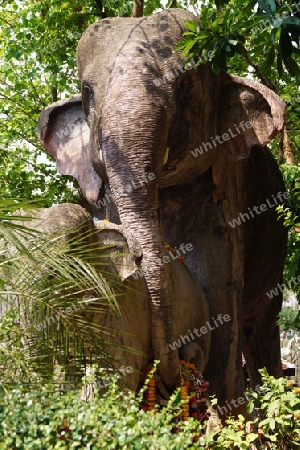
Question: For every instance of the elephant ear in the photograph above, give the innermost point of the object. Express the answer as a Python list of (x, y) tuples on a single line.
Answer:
[(250, 114), (63, 131), (245, 101)]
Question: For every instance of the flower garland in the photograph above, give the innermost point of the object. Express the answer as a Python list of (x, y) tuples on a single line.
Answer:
[(151, 394), (173, 251), (193, 388), (193, 396)]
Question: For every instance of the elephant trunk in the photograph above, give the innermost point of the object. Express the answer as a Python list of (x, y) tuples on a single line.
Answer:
[(143, 223), (134, 161)]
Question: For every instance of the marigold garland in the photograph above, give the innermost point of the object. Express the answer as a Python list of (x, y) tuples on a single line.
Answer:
[(193, 394), (151, 393), (173, 251)]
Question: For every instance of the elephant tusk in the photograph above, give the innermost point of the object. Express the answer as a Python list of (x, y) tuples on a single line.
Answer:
[(166, 157)]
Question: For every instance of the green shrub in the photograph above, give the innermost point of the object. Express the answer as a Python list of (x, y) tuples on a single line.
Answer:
[(278, 409), (41, 418), (276, 424)]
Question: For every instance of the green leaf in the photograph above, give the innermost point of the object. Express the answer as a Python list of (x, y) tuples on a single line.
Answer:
[(267, 5), (273, 405), (267, 64), (275, 35), (188, 44), (293, 23), (214, 27), (297, 321), (226, 17), (192, 26), (286, 46), (291, 65), (250, 407), (203, 35)]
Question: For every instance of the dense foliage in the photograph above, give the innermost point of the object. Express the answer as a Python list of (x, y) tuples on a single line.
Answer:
[(42, 418)]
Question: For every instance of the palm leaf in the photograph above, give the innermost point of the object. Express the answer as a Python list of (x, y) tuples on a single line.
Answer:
[(49, 275)]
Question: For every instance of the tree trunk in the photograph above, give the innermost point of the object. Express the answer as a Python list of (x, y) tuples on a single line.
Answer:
[(280, 150), (288, 150), (54, 94), (138, 8)]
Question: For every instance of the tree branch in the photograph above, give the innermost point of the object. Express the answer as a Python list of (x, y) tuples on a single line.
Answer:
[(54, 94), (101, 8), (262, 78), (138, 8)]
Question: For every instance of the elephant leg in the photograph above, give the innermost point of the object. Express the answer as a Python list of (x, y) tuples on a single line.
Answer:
[(265, 246), (261, 338), (216, 263)]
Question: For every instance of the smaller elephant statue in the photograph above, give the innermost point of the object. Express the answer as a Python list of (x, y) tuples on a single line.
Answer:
[(128, 334)]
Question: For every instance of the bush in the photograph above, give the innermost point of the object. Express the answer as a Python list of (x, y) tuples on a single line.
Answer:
[(276, 424), (41, 418)]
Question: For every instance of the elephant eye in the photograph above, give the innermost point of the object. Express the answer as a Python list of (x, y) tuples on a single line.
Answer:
[(88, 92)]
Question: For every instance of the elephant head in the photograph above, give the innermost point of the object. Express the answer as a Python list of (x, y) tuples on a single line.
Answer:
[(135, 119)]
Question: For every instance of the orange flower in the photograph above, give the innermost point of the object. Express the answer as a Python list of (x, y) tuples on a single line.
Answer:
[(297, 390)]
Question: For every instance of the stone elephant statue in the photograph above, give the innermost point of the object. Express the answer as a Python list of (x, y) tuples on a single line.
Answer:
[(181, 159), (127, 334)]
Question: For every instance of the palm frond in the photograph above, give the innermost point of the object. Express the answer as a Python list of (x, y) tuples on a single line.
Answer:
[(60, 282)]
